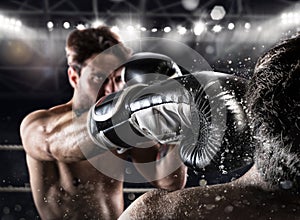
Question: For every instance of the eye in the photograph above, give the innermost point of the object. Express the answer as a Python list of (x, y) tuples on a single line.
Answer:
[(118, 79)]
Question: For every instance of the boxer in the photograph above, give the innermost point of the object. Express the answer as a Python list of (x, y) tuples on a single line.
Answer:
[(270, 189), (61, 157)]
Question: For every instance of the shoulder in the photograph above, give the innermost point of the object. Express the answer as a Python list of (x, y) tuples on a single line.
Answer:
[(146, 206), (37, 121), (39, 116), (36, 128), (188, 203), (35, 117), (162, 204)]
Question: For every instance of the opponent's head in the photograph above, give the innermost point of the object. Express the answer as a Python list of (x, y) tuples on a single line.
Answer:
[(274, 103), (93, 54)]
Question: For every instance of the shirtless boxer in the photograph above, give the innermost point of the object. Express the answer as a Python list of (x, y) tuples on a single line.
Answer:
[(65, 185), (270, 189)]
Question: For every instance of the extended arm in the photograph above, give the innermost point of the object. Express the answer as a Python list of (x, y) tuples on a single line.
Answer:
[(203, 112)]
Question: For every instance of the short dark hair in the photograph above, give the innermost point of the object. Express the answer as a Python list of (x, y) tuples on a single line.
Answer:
[(274, 89), (273, 97), (82, 44)]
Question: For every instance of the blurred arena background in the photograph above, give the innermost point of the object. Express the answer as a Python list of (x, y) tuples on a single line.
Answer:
[(229, 34)]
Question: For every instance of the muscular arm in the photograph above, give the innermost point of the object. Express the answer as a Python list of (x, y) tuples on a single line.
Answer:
[(57, 134), (161, 166)]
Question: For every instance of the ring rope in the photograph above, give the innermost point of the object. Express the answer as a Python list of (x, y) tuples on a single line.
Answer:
[(11, 147), (28, 189)]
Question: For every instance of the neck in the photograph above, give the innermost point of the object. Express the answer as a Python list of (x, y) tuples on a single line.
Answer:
[(275, 161), (78, 106), (267, 172), (254, 178)]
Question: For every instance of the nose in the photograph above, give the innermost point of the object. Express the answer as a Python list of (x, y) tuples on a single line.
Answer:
[(109, 87)]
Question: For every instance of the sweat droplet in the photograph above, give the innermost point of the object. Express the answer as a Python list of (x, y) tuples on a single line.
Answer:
[(224, 172), (286, 184), (228, 209), (131, 196), (18, 208), (210, 206), (76, 181), (128, 170), (218, 198), (202, 182), (6, 210)]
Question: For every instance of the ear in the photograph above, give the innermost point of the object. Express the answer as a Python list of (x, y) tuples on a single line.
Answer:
[(73, 77)]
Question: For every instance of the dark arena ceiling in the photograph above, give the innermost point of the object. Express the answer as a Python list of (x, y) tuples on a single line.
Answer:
[(154, 13)]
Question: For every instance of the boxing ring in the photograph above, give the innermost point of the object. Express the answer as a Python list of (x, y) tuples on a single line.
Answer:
[(16, 201), (26, 188), (18, 189)]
